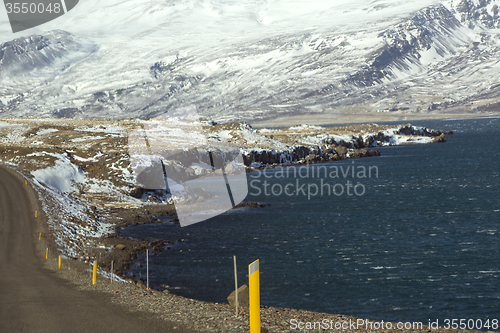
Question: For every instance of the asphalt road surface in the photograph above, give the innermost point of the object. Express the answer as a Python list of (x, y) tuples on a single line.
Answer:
[(34, 299)]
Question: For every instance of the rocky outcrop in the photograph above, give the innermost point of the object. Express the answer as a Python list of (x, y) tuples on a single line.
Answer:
[(484, 12), (243, 299), (269, 157), (422, 131), (251, 204), (404, 44), (26, 54), (334, 149), (307, 155), (120, 247), (439, 139), (341, 150)]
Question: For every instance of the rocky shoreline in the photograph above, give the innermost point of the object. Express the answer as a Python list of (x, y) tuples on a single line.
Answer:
[(335, 149), (190, 315)]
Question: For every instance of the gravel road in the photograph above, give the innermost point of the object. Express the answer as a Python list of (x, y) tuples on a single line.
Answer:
[(34, 298)]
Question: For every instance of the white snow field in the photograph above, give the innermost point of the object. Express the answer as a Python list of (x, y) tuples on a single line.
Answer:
[(253, 60)]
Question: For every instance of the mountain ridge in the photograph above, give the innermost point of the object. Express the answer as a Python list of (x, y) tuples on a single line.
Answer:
[(387, 66)]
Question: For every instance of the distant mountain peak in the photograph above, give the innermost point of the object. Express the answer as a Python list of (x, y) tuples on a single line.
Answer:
[(309, 58)]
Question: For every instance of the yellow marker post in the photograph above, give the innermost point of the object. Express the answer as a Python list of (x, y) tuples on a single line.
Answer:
[(25, 182), (40, 236), (47, 254), (94, 275), (59, 262), (36, 214), (254, 296)]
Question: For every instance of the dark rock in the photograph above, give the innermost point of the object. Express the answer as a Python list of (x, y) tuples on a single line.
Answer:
[(248, 158), (381, 137), (359, 142), (408, 130), (151, 177), (242, 297), (361, 153), (341, 150), (152, 199), (311, 158), (439, 139), (333, 157), (329, 141), (346, 144), (300, 152), (251, 204), (120, 247), (137, 192), (369, 141)]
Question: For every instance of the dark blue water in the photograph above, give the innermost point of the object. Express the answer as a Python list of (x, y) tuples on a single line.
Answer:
[(423, 242)]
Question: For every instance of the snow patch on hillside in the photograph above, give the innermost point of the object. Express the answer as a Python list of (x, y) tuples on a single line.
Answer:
[(60, 177)]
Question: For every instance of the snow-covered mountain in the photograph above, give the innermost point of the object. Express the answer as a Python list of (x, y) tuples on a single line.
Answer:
[(253, 60)]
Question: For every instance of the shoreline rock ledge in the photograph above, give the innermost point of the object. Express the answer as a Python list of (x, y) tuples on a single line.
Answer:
[(243, 297), (315, 144)]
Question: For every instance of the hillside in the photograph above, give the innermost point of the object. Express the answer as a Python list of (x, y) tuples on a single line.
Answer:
[(255, 61)]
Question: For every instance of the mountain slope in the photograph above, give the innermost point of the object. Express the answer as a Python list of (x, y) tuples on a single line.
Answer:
[(258, 60)]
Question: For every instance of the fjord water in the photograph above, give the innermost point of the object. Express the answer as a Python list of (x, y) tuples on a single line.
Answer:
[(422, 243)]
